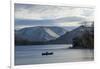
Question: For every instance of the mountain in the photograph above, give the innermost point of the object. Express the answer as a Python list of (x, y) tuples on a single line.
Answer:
[(38, 34), (69, 36), (48, 35)]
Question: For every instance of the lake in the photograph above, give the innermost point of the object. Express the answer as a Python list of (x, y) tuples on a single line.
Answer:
[(32, 54)]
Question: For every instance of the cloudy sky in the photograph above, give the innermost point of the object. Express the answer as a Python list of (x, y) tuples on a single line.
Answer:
[(27, 15)]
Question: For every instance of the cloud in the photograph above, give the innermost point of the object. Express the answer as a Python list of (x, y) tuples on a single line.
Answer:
[(59, 20), (39, 12), (46, 15), (68, 21)]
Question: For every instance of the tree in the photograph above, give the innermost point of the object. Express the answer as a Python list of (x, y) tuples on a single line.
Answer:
[(86, 40)]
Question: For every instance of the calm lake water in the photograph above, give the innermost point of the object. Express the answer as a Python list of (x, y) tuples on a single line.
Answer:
[(25, 55)]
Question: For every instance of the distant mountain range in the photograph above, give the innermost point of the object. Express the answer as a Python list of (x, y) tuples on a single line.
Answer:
[(47, 35), (39, 34), (68, 37)]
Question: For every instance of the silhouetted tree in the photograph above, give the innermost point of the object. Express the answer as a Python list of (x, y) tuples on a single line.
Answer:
[(86, 40)]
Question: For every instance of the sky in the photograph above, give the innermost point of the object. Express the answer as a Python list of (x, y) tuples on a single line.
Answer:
[(28, 15)]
